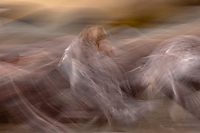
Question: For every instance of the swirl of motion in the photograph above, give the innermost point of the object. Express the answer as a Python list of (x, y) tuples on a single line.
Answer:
[(95, 79), (174, 69)]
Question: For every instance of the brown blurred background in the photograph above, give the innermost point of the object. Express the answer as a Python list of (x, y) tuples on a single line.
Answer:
[(25, 21), (65, 15)]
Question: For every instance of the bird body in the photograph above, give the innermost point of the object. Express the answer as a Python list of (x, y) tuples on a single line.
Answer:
[(174, 69), (95, 78)]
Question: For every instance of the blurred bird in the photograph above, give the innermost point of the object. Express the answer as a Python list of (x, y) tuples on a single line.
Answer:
[(84, 50), (95, 78), (174, 69)]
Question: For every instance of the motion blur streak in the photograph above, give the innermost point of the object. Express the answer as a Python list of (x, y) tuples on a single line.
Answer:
[(99, 66)]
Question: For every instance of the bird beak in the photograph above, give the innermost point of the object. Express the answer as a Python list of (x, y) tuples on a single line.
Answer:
[(98, 44)]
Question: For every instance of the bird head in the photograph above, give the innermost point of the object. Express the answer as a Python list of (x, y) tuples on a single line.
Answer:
[(97, 38)]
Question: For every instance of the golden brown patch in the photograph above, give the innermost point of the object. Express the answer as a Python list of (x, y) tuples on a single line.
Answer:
[(95, 39)]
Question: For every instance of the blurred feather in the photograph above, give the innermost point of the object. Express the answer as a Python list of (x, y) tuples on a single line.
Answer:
[(95, 78), (173, 68)]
